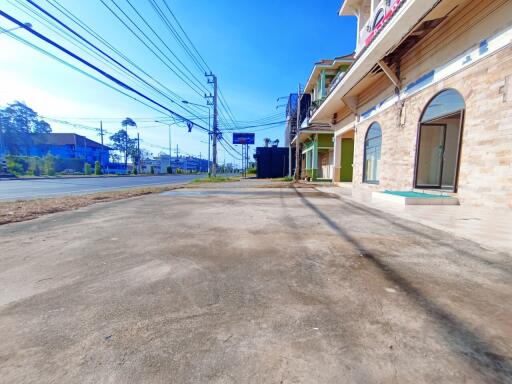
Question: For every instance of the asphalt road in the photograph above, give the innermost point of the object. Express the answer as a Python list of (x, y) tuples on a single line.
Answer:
[(32, 189), (230, 284)]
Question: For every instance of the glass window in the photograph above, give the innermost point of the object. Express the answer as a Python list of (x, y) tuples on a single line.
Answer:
[(372, 146), (378, 18), (447, 102)]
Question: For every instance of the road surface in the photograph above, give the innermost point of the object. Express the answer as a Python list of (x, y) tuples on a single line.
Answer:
[(32, 189), (249, 285)]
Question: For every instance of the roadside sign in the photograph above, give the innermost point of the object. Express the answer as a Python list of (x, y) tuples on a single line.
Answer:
[(243, 138)]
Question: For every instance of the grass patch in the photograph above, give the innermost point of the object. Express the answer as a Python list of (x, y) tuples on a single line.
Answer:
[(286, 178), (217, 179)]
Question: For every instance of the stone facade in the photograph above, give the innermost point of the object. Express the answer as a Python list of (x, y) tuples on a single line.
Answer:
[(485, 168)]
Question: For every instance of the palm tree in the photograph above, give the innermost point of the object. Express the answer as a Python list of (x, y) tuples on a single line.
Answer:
[(128, 122)]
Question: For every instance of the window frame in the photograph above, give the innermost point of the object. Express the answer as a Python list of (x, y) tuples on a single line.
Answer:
[(365, 181)]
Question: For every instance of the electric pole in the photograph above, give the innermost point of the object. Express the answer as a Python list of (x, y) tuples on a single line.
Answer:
[(138, 153), (101, 134), (297, 139), (215, 122)]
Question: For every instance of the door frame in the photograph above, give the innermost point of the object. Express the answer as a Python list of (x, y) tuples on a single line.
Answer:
[(441, 165), (457, 157)]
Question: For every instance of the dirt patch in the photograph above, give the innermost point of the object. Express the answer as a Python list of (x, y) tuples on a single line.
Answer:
[(22, 210)]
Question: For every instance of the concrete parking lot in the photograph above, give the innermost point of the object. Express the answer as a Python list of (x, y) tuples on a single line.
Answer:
[(239, 284)]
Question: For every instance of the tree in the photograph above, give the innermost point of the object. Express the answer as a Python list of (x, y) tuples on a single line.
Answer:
[(128, 122), (266, 141), (42, 126), (17, 123), (120, 141)]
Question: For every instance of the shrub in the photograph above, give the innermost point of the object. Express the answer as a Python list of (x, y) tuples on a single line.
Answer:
[(87, 169), (134, 171), (152, 170), (15, 166), (97, 168), (49, 164), (251, 171)]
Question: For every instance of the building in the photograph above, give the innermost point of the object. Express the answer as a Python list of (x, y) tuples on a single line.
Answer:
[(316, 138), (68, 146), (185, 163), (427, 103), (271, 162)]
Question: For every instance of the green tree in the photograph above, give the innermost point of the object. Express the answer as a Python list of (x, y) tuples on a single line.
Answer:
[(128, 122), (120, 141)]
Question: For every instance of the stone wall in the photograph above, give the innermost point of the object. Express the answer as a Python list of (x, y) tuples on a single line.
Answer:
[(485, 175)]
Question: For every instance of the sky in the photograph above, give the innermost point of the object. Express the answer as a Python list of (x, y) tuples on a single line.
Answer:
[(259, 51)]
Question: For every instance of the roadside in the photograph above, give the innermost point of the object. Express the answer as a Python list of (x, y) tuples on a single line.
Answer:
[(22, 210), (57, 177)]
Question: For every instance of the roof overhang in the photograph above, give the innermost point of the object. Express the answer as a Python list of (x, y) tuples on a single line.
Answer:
[(349, 7), (407, 17), (308, 132), (334, 65)]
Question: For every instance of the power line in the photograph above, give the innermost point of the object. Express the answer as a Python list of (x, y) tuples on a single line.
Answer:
[(90, 45), (193, 87), (186, 35), (92, 66)]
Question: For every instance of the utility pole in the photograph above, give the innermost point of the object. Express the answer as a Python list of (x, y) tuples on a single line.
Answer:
[(138, 153), (101, 134), (170, 153), (297, 139), (215, 123)]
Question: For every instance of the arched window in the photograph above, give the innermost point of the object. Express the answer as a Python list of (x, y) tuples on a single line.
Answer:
[(378, 18), (439, 141), (372, 146), (445, 103)]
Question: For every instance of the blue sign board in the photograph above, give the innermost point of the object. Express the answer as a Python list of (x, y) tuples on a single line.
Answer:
[(243, 138)]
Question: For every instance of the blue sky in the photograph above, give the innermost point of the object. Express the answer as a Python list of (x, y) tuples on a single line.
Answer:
[(259, 51)]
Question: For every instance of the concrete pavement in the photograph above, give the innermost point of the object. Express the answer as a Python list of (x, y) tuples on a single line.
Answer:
[(33, 188), (240, 284)]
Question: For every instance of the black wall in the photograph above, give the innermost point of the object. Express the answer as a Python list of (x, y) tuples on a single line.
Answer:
[(271, 162)]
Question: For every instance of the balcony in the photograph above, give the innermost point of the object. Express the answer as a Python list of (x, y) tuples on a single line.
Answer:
[(382, 13)]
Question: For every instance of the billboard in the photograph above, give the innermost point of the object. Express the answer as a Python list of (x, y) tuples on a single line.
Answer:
[(243, 138)]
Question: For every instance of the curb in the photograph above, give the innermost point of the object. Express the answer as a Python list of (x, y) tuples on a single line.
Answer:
[(86, 177)]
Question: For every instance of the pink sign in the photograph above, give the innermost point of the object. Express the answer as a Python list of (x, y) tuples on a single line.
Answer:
[(389, 14)]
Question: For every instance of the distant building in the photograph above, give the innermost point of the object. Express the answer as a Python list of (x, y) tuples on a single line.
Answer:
[(271, 162), (184, 163), (315, 139), (69, 146)]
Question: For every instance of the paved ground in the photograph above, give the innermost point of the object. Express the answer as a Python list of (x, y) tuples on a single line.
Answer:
[(31, 189), (249, 285)]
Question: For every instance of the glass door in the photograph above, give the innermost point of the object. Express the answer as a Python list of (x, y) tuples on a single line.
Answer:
[(429, 170)]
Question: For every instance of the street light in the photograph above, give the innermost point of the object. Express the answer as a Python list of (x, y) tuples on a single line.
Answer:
[(209, 127)]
